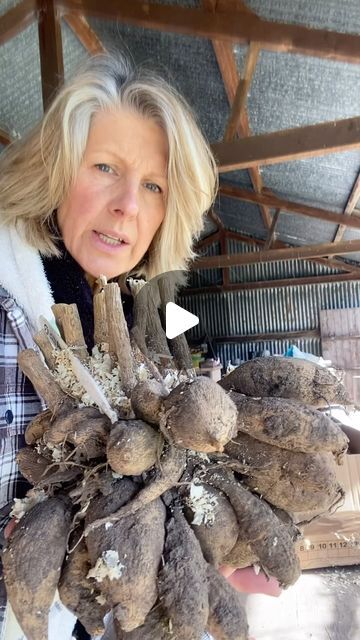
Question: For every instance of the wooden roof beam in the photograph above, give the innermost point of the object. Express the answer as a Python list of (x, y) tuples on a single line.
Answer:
[(240, 100), (85, 34), (265, 337), (334, 263), (349, 209), (291, 207), (273, 284), (271, 235), (275, 255), (50, 48), (17, 19), (209, 240), (215, 219), (289, 144), (227, 64), (230, 25)]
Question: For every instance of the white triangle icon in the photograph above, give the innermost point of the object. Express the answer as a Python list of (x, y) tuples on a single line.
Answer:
[(178, 320)]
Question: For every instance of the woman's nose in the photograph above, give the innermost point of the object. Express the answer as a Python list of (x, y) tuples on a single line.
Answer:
[(125, 201)]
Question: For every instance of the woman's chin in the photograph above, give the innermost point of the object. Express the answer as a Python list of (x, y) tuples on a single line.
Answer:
[(98, 268)]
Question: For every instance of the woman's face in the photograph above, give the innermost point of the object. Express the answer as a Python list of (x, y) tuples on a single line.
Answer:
[(118, 200)]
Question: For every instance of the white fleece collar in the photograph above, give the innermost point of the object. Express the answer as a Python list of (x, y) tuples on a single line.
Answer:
[(22, 275)]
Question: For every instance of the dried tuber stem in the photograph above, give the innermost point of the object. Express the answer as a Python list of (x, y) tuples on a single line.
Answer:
[(178, 346), (33, 367), (119, 341), (41, 338), (101, 332), (69, 323), (156, 342)]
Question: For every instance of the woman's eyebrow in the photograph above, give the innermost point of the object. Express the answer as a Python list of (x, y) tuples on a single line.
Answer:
[(116, 157), (99, 149)]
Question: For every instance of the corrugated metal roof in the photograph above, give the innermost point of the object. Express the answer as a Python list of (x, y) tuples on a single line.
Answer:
[(321, 14), (188, 63)]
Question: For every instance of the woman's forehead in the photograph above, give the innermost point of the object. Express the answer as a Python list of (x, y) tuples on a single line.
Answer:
[(125, 131)]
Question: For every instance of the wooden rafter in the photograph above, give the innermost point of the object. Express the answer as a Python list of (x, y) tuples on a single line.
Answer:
[(84, 33), (264, 337), (5, 137), (275, 255), (290, 144), (209, 240), (50, 47), (287, 205), (274, 284), (334, 263), (221, 235), (224, 249), (349, 209), (230, 26), (17, 19), (216, 219), (240, 100), (224, 54), (271, 235)]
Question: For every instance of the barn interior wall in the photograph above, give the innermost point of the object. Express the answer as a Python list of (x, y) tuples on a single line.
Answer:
[(260, 311)]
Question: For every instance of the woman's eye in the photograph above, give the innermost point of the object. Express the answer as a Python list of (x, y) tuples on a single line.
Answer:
[(105, 168), (153, 187)]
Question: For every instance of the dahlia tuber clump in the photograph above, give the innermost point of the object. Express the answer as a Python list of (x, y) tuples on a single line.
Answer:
[(147, 478)]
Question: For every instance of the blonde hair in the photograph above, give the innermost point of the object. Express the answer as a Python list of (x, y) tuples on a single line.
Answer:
[(37, 171)]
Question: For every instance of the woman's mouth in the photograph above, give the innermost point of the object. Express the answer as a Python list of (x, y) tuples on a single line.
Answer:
[(110, 240)]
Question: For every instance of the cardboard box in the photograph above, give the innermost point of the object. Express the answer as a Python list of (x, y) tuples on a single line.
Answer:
[(334, 540)]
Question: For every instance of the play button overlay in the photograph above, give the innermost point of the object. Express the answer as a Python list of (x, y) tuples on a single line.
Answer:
[(178, 320)]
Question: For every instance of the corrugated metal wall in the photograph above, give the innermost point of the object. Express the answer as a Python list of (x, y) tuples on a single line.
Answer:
[(276, 310)]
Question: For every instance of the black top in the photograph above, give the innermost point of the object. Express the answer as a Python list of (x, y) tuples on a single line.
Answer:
[(69, 285)]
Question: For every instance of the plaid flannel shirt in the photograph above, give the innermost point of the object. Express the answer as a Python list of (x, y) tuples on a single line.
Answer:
[(19, 404)]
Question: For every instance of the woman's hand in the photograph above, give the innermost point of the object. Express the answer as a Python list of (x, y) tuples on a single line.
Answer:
[(247, 581)]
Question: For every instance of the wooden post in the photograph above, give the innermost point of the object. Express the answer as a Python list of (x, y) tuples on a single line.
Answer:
[(50, 47)]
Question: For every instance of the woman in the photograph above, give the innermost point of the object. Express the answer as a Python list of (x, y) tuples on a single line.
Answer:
[(115, 180)]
